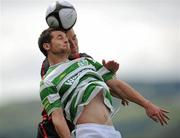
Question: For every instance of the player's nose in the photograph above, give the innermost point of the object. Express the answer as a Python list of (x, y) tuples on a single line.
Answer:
[(65, 40)]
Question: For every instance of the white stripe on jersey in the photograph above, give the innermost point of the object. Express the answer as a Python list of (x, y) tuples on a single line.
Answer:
[(53, 97), (103, 71), (60, 68), (45, 85), (74, 73), (79, 98), (75, 84)]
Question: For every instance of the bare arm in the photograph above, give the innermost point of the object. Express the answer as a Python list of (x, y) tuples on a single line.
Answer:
[(153, 111), (60, 124), (119, 96), (114, 66), (127, 92)]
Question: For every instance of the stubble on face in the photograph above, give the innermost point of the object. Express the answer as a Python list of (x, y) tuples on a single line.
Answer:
[(59, 43)]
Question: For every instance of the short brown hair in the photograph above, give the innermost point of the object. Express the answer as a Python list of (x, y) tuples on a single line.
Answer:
[(46, 37)]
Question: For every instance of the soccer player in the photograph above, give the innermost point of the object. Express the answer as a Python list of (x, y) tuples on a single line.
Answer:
[(79, 88), (74, 54), (46, 128)]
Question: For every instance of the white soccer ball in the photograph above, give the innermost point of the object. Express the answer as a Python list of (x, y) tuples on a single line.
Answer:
[(61, 14)]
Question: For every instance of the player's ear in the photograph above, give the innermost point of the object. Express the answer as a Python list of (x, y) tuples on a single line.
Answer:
[(46, 46)]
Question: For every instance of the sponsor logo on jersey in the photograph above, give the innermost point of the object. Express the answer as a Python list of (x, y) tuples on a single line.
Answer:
[(71, 80)]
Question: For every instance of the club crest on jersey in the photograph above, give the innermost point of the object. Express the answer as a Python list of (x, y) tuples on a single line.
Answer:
[(82, 63)]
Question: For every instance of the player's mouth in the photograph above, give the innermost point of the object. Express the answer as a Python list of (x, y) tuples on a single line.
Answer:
[(65, 45)]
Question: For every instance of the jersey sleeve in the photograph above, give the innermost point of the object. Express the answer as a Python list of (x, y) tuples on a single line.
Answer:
[(50, 97), (101, 70)]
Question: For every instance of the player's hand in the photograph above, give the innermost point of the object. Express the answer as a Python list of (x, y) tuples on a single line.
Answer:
[(111, 65), (156, 113), (124, 102)]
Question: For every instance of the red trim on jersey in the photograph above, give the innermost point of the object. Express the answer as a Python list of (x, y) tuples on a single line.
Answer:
[(45, 116), (77, 56), (42, 69)]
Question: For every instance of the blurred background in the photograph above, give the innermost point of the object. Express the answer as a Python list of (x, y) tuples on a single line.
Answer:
[(142, 35)]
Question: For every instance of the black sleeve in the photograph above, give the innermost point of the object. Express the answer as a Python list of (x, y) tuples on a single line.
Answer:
[(85, 55), (46, 130)]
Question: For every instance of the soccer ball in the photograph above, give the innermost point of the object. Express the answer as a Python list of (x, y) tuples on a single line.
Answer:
[(61, 14)]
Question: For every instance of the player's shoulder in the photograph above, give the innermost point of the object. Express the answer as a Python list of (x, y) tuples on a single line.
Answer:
[(85, 55)]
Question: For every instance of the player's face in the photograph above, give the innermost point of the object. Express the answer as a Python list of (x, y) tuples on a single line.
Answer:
[(59, 42), (73, 42)]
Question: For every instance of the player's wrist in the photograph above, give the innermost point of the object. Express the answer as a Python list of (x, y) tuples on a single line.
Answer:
[(146, 104)]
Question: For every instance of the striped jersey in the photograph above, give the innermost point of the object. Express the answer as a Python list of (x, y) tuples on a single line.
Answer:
[(73, 84)]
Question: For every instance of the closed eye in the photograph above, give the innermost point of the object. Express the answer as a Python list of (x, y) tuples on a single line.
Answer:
[(74, 37), (59, 37)]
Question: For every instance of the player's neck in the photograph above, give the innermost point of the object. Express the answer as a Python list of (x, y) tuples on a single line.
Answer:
[(55, 59), (74, 56)]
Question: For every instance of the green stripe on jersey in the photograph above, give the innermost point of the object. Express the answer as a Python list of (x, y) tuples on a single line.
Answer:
[(50, 69), (84, 80), (49, 106), (47, 91), (108, 76), (108, 96), (88, 92), (96, 64), (68, 85), (73, 108), (65, 87), (65, 73), (53, 106)]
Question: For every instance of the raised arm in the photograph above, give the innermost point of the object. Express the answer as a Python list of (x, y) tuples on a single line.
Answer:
[(153, 111), (111, 65), (60, 123), (114, 66), (119, 96)]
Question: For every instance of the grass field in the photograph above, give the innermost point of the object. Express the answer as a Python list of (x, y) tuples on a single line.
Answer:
[(19, 120)]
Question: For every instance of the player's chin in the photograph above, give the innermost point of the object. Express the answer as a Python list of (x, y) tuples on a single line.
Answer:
[(66, 48)]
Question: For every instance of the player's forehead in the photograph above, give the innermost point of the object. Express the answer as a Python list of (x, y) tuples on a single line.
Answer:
[(70, 33), (58, 33)]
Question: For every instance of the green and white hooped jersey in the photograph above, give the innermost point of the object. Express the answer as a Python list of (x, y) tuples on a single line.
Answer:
[(72, 85)]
